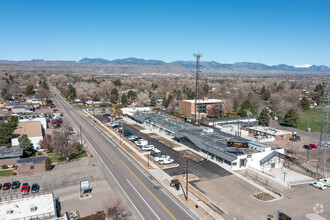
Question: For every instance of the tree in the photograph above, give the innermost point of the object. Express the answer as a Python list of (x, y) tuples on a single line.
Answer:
[(43, 94), (266, 94), (114, 95), (48, 164), (26, 144), (245, 107), (61, 145), (29, 90), (58, 122), (143, 99), (153, 101), (115, 209), (264, 117), (124, 99), (46, 143), (291, 117), (304, 104), (117, 82), (165, 102), (131, 95)]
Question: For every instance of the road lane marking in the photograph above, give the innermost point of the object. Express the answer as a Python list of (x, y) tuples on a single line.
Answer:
[(143, 199), (73, 113), (106, 168)]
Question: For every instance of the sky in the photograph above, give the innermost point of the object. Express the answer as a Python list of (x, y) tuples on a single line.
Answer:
[(293, 32)]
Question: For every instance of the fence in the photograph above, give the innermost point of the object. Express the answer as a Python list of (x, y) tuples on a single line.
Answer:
[(270, 177), (16, 196)]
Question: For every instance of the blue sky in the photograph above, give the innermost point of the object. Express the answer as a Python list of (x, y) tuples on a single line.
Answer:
[(293, 32)]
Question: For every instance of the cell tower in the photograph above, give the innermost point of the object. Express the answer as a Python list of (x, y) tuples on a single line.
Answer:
[(198, 56), (324, 131)]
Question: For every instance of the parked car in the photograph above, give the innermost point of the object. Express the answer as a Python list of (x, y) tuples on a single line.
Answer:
[(147, 147), (6, 186), (132, 137), (166, 161), (25, 188), (15, 185), (155, 152), (307, 147), (35, 188), (313, 145), (325, 181), (318, 185), (161, 157)]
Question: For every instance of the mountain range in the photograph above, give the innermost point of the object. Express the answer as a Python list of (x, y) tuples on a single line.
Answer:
[(135, 65)]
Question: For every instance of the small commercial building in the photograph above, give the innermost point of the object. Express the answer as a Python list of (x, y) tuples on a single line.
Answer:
[(187, 107), (10, 155), (28, 207), (32, 129), (270, 133), (31, 165)]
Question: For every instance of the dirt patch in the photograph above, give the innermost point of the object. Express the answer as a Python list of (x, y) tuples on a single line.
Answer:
[(201, 212), (195, 157), (138, 127), (190, 177), (164, 141), (263, 196), (166, 182)]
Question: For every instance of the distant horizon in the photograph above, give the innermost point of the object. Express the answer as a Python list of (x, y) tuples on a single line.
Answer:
[(227, 31), (305, 65)]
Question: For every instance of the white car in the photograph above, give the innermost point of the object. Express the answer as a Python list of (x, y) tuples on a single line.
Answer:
[(325, 181), (318, 185), (162, 157), (166, 161), (147, 147)]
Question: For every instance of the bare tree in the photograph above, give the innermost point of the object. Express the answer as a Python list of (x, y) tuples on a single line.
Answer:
[(115, 209), (61, 144), (43, 94), (143, 99)]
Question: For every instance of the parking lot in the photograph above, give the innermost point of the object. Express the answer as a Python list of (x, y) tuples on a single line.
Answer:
[(64, 181)]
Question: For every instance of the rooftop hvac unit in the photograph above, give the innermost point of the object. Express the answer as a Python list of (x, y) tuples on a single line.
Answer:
[(33, 208), (9, 212)]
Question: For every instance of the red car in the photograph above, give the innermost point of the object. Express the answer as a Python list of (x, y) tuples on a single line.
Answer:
[(313, 145), (6, 186), (25, 188)]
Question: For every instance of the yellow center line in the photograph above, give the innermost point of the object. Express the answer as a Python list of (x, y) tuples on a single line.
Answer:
[(127, 167), (94, 140)]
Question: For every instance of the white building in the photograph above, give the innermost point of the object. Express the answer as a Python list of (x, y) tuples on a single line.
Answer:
[(32, 129)]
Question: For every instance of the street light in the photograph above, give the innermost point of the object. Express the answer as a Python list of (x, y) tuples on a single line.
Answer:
[(284, 176)]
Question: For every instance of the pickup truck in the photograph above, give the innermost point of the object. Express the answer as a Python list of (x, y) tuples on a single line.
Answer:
[(147, 147), (161, 157)]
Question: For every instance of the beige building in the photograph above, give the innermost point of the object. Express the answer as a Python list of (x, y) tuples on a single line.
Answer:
[(32, 129), (187, 107)]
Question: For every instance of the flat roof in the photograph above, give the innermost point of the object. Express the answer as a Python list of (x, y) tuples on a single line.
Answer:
[(269, 130), (31, 160), (30, 128), (20, 208), (10, 152), (208, 101)]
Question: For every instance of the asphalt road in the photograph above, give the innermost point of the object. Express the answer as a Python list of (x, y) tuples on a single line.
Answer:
[(147, 199)]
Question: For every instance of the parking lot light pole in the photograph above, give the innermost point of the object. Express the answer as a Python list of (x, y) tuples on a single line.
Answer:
[(148, 160), (284, 176)]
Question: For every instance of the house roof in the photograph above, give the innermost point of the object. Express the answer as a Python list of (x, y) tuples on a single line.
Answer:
[(10, 152), (30, 160), (208, 101), (31, 129)]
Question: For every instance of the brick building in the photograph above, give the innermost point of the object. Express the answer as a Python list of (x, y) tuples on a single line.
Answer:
[(187, 107), (268, 132), (31, 165)]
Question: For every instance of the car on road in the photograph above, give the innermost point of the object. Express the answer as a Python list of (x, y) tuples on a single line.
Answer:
[(166, 161), (318, 185), (15, 185), (6, 186), (307, 147), (148, 147), (25, 188), (161, 157), (35, 188), (313, 145)]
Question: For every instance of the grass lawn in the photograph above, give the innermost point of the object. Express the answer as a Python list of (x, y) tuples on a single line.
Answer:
[(55, 158), (314, 118), (83, 154), (6, 173)]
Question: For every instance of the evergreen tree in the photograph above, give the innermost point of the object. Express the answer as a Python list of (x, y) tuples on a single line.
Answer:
[(117, 82), (48, 164), (165, 102), (264, 117), (291, 117), (114, 95), (304, 104), (124, 99), (245, 106), (25, 143), (153, 101), (29, 90)]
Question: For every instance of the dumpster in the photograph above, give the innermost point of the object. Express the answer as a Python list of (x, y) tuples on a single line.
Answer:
[(175, 183)]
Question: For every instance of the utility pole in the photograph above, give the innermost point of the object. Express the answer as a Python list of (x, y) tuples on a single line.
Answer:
[(80, 135), (187, 178), (198, 56), (122, 132)]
